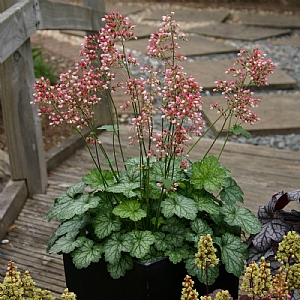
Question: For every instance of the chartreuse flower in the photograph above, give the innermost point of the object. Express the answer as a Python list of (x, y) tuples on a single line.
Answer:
[(257, 280), (223, 295), (288, 254), (18, 287), (188, 293), (289, 249), (206, 255)]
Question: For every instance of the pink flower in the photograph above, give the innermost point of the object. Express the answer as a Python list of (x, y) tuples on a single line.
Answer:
[(250, 68)]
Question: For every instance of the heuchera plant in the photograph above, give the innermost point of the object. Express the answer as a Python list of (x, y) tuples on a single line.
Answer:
[(276, 223), (258, 281), (159, 203)]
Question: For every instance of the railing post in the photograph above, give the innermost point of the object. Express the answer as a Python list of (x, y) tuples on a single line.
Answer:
[(22, 125)]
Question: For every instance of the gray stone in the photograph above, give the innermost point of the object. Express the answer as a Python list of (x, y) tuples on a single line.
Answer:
[(238, 32), (207, 72), (271, 20), (293, 41), (144, 30), (196, 46), (188, 15), (279, 114)]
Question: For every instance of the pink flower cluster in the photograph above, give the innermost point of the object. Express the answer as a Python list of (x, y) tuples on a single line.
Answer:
[(164, 43), (250, 68), (181, 107), (72, 100)]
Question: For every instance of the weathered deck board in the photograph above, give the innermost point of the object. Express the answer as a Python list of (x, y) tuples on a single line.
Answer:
[(260, 171)]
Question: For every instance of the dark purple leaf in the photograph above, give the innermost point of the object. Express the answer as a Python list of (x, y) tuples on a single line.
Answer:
[(281, 202), (272, 232), (270, 207)]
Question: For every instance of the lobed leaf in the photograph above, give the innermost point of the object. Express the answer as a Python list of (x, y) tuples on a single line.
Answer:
[(99, 180), (130, 209), (231, 192), (76, 189), (208, 174), (179, 205), (204, 202), (176, 255), (233, 253), (71, 226), (119, 269), (160, 242), (198, 228), (239, 130), (125, 188), (114, 246), (105, 223), (88, 253), (77, 206), (241, 216), (141, 242), (67, 244)]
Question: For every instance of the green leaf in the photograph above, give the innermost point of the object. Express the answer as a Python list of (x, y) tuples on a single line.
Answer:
[(175, 232), (98, 180), (125, 188), (67, 244), (198, 228), (105, 223), (159, 172), (88, 253), (160, 221), (178, 254), (119, 269), (241, 216), (114, 246), (132, 174), (77, 206), (193, 270), (160, 242), (208, 174), (231, 192), (110, 128), (76, 189), (204, 202), (179, 205), (59, 203), (130, 209), (71, 226), (168, 183), (239, 130), (233, 253), (106, 201), (154, 191), (141, 242)]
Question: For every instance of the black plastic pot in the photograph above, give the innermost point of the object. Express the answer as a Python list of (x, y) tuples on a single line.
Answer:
[(159, 280)]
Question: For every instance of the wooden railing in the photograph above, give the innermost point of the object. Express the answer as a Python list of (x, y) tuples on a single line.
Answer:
[(19, 20)]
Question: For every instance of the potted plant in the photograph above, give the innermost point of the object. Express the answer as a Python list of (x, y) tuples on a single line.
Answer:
[(276, 223), (16, 286), (150, 210), (258, 281)]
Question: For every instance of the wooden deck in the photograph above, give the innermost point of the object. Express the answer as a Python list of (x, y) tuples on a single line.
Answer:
[(260, 171)]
